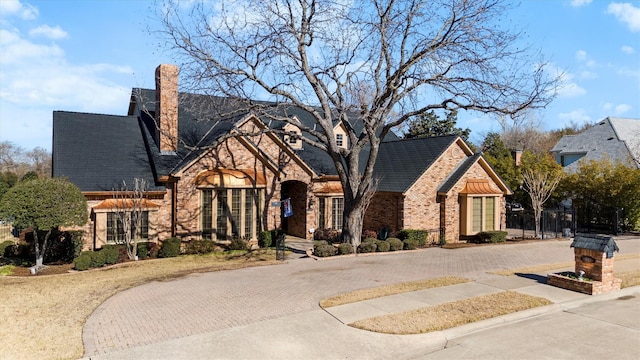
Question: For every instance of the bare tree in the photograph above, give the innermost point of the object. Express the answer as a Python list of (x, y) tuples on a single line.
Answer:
[(369, 66), (128, 210), (540, 175)]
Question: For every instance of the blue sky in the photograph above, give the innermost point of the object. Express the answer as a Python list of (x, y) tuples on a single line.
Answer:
[(86, 56)]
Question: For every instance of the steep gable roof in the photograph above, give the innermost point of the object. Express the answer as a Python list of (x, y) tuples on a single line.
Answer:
[(97, 152), (400, 163)]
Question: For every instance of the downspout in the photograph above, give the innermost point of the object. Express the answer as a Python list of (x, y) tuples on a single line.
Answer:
[(174, 206)]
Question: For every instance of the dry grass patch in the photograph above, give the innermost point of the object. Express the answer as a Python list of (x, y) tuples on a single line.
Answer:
[(42, 316), (449, 315), (366, 294), (629, 278)]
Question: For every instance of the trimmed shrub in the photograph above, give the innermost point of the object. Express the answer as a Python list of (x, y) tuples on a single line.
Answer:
[(345, 249), (4, 245), (410, 244), (238, 244), (142, 250), (369, 234), (265, 239), (205, 246), (82, 262), (492, 237), (111, 253), (324, 250), (320, 242), (382, 246), (330, 235), (97, 259), (395, 244), (367, 247), (170, 248), (370, 240)]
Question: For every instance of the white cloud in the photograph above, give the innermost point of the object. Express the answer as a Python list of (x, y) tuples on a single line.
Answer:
[(578, 3), (568, 86), (576, 116), (16, 8), (49, 32), (36, 79), (581, 55), (626, 13), (621, 109), (628, 49)]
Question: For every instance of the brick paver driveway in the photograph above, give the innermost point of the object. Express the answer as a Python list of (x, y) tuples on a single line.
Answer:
[(201, 303)]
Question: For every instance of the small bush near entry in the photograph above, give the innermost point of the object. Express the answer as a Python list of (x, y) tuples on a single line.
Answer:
[(370, 240), (382, 246), (330, 235), (370, 234), (265, 240), (367, 247), (111, 253), (395, 244), (420, 236), (324, 250), (239, 244), (170, 248), (82, 262), (320, 242), (491, 237), (410, 244), (345, 248)]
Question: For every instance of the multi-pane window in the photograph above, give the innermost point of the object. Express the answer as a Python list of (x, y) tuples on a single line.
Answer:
[(222, 214), (322, 212), (340, 140), (116, 231), (483, 214), (236, 212), (337, 208)]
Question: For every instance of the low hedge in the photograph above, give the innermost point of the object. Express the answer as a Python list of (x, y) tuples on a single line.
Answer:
[(324, 250), (367, 247), (330, 235), (265, 239), (4, 245), (410, 244), (82, 262), (382, 246), (490, 237), (345, 248), (111, 253), (170, 248), (419, 236), (238, 244), (205, 246), (395, 244)]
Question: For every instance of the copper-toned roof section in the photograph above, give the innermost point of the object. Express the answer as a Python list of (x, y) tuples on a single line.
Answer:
[(478, 186), (330, 188), (110, 204), (231, 177)]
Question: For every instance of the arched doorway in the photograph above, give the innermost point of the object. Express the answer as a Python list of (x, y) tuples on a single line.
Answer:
[(295, 225)]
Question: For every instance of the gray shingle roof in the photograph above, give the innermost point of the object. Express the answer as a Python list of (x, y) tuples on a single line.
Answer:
[(595, 242), (97, 152), (457, 174), (400, 163), (616, 138)]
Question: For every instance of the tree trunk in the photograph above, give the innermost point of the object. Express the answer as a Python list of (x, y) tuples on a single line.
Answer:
[(536, 216), (352, 220), (40, 250)]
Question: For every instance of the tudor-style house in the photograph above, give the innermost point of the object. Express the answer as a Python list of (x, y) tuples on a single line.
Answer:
[(219, 176)]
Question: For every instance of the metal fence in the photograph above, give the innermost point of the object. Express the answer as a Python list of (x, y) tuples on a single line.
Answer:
[(553, 222)]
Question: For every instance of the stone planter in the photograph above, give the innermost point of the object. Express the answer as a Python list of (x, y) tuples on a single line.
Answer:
[(583, 286)]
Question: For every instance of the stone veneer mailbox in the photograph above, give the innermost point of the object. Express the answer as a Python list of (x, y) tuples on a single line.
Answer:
[(594, 266)]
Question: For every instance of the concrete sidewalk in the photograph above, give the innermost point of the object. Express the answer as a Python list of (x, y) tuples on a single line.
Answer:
[(272, 312)]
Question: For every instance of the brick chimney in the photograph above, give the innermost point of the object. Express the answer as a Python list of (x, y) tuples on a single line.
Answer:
[(167, 107)]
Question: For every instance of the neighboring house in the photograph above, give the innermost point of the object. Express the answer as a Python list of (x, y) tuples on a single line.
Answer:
[(615, 138), (221, 177)]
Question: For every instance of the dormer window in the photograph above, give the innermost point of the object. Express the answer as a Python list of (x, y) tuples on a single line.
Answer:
[(340, 140)]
